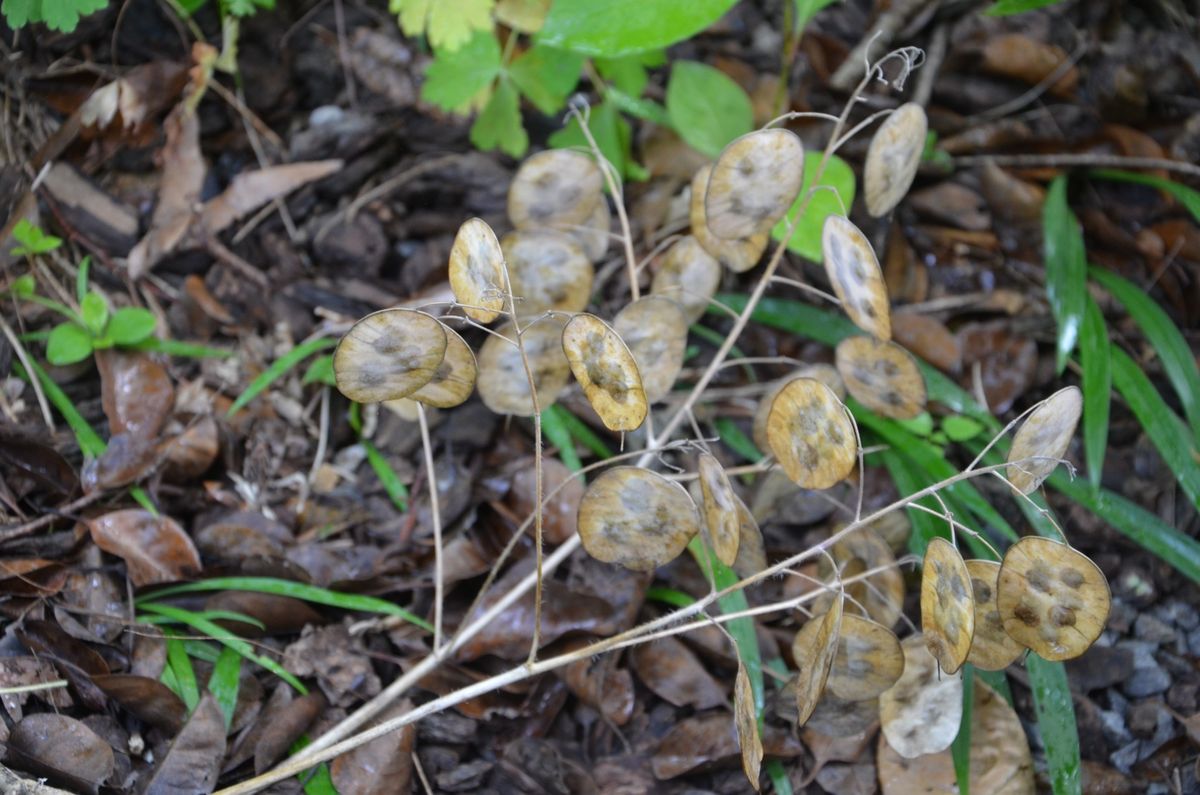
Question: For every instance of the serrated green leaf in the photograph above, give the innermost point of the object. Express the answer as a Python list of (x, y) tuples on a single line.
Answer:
[(706, 107), (1056, 722), (61, 15), (130, 325), (69, 343), (838, 177), (1003, 8), (1066, 267), (448, 24), (498, 125), (1186, 196), (619, 27), (457, 76), (1094, 357), (546, 76), (611, 132), (93, 309)]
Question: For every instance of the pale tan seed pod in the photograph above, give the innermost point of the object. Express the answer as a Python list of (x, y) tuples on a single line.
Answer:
[(827, 374), (1052, 599), (921, 713), (502, 381), (838, 717), (882, 376), (751, 552), (454, 380), (689, 276), (553, 188), (991, 648), (594, 235), (606, 370), (868, 662), (388, 355), (893, 158), (811, 434), (547, 270), (720, 509), (406, 409), (865, 550), (477, 271), (854, 272), (636, 518), (753, 183), (737, 255), (1044, 437), (814, 658), (745, 719), (947, 605), (655, 330)]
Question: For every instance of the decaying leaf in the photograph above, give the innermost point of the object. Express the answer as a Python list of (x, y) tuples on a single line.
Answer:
[(454, 378), (893, 158), (389, 355), (554, 187), (753, 183), (991, 648), (745, 718), (947, 605), (920, 714), (854, 272), (606, 370), (61, 749), (547, 270), (811, 434), (837, 717), (154, 548), (193, 760), (477, 271), (814, 653), (672, 670), (636, 518), (655, 330), (882, 376), (1044, 438), (383, 765), (689, 276), (502, 382), (737, 255), (720, 509)]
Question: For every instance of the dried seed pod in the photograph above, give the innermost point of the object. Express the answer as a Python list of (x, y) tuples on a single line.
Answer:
[(720, 509), (502, 382), (947, 605), (751, 552), (838, 717), (753, 183), (547, 270), (814, 657), (636, 518), (655, 330), (893, 158), (882, 376), (406, 409), (745, 719), (389, 354), (827, 374), (1051, 598), (811, 434), (606, 370), (689, 276), (991, 648), (594, 235), (1045, 436), (477, 271), (854, 272), (869, 659), (920, 714), (451, 385), (885, 598), (555, 187), (737, 255)]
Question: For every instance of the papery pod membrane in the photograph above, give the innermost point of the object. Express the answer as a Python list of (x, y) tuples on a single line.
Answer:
[(689, 276), (454, 380), (864, 550), (838, 717), (854, 272), (738, 255), (388, 355), (606, 370), (811, 434), (921, 713), (655, 331), (554, 187), (720, 509), (548, 271), (947, 605), (751, 552), (868, 662), (594, 235), (814, 657), (745, 719), (502, 380), (893, 158), (882, 376), (992, 649), (827, 374), (753, 183), (477, 271), (636, 518), (1044, 436)]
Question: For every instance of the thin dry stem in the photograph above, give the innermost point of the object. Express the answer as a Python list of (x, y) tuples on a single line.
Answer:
[(439, 576)]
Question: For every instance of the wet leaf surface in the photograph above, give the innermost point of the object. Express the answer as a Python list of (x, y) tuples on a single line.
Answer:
[(137, 393), (148, 699), (383, 765), (193, 759), (155, 549), (675, 674), (62, 749)]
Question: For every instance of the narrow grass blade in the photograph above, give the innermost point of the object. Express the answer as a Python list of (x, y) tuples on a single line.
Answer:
[(581, 431), (997, 681), (89, 441), (202, 650), (960, 749), (1066, 267), (223, 683), (1056, 722), (277, 369), (184, 675), (742, 629), (207, 615), (187, 350), (669, 596), (779, 777), (925, 527), (560, 436), (1097, 390), (1186, 196), (737, 441), (397, 492)]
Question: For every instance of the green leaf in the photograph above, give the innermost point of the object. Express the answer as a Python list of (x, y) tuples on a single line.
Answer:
[(706, 107), (90, 443), (1186, 196), (1066, 267), (960, 749), (807, 9), (178, 348), (997, 681), (546, 76), (1056, 722), (961, 429), (94, 311), (277, 369), (619, 27), (498, 125), (32, 239), (448, 24), (559, 434), (920, 425), (627, 74), (646, 109), (24, 286), (839, 177), (130, 325), (396, 490), (737, 440), (245, 8), (581, 431), (320, 371), (456, 77), (669, 596), (1097, 389), (612, 135), (1003, 8), (69, 343), (223, 682), (184, 675)]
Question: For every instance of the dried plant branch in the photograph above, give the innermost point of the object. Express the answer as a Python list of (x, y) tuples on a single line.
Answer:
[(439, 575)]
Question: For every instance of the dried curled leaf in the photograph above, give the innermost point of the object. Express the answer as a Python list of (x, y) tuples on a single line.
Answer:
[(991, 648), (553, 188), (388, 355), (811, 434), (1044, 436), (737, 255), (893, 158), (753, 183), (920, 714), (547, 270), (1052, 598), (636, 518), (454, 379), (882, 376), (606, 370), (947, 605), (477, 271), (814, 653), (655, 330), (502, 382), (745, 719), (854, 272), (689, 276), (827, 374), (720, 509)]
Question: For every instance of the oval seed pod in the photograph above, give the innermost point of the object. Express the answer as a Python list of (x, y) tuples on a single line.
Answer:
[(865, 549), (882, 376), (389, 354), (655, 330), (815, 659), (868, 661), (991, 648), (854, 272), (454, 380), (606, 370), (720, 509), (547, 270), (745, 719), (947, 605), (636, 518), (893, 158), (827, 374), (502, 382), (838, 717), (477, 271), (554, 187), (811, 434), (921, 713), (1051, 598), (1045, 436), (751, 552), (737, 255), (753, 183), (593, 236), (689, 276)]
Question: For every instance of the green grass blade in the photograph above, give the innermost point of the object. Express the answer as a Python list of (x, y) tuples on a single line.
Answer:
[(167, 677), (207, 615), (277, 369), (779, 777), (184, 674), (997, 681), (223, 683), (1097, 390), (560, 436), (925, 527), (187, 350), (89, 441), (1066, 267), (397, 492), (669, 596), (1186, 196), (1056, 722), (960, 749), (737, 441), (581, 431), (202, 650)]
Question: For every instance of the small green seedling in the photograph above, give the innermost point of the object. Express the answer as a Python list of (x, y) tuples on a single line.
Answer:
[(33, 240)]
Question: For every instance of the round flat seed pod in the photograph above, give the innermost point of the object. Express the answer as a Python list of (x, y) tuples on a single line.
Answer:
[(689, 276), (1051, 598), (854, 272), (547, 270), (388, 355), (885, 598), (869, 659), (502, 382), (553, 188), (811, 434), (720, 509), (1044, 435), (751, 552), (991, 648), (593, 236), (454, 380), (920, 714), (655, 330), (636, 518), (477, 271), (737, 255), (947, 605), (882, 376), (827, 374), (837, 717), (753, 183), (893, 158), (814, 656), (606, 370)]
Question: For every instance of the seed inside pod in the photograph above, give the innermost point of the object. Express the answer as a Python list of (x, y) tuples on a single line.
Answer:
[(947, 605), (751, 552), (547, 270), (753, 183), (388, 355), (451, 385), (477, 271), (689, 276), (554, 187), (991, 649), (745, 719), (854, 272), (893, 158), (502, 382), (720, 509), (606, 370), (1051, 598), (815, 659), (882, 376), (1045, 435), (827, 374), (811, 434), (636, 518), (737, 255), (920, 714), (655, 331), (869, 659)]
